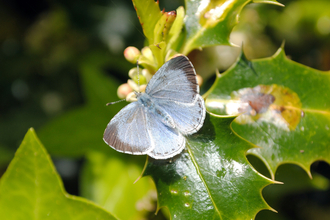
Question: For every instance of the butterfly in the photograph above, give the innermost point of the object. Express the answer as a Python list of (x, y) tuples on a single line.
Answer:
[(157, 123)]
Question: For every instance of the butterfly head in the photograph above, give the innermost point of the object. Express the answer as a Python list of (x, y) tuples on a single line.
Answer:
[(137, 94)]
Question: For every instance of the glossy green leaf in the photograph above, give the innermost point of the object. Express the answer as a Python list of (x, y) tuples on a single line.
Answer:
[(109, 182), (209, 23), (295, 182), (212, 179), (31, 189), (80, 130), (149, 14), (284, 107)]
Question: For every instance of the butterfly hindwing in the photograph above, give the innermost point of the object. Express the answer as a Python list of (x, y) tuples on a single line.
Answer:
[(168, 141), (128, 131), (174, 81), (188, 118)]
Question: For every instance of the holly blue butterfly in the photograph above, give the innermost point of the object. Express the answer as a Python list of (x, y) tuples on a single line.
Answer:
[(157, 123)]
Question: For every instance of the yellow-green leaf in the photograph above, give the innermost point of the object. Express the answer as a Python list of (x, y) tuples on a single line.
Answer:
[(149, 14), (31, 189)]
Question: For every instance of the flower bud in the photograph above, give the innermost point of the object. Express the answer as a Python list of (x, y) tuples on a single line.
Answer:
[(132, 54), (131, 97), (133, 85), (137, 77), (147, 53), (146, 73), (132, 72), (123, 90), (143, 88), (199, 80)]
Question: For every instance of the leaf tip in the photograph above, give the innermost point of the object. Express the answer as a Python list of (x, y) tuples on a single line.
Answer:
[(277, 182), (273, 210), (308, 171), (31, 131), (280, 53), (272, 2), (143, 173)]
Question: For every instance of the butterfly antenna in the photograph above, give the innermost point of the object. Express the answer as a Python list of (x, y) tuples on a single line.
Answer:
[(138, 71), (111, 103)]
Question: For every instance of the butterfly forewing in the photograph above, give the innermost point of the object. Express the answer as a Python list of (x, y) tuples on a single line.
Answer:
[(128, 131), (174, 81)]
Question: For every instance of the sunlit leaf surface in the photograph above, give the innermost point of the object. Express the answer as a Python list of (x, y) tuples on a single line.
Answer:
[(31, 189), (284, 107), (148, 13)]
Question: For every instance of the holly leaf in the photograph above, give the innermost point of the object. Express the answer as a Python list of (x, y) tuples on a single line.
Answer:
[(295, 182), (31, 188), (212, 179), (209, 23), (284, 107)]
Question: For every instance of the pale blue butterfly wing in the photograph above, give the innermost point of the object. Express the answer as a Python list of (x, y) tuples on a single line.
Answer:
[(168, 142), (174, 88), (156, 123), (128, 131), (188, 118), (174, 81)]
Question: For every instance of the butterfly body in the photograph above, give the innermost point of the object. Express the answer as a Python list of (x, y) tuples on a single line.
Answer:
[(153, 108), (157, 122)]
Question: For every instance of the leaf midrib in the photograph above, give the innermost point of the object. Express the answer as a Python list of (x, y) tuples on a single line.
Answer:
[(36, 188), (202, 178)]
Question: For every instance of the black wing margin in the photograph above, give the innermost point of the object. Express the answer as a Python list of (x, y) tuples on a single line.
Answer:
[(175, 81)]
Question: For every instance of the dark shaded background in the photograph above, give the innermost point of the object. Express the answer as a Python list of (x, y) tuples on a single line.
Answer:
[(43, 42)]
